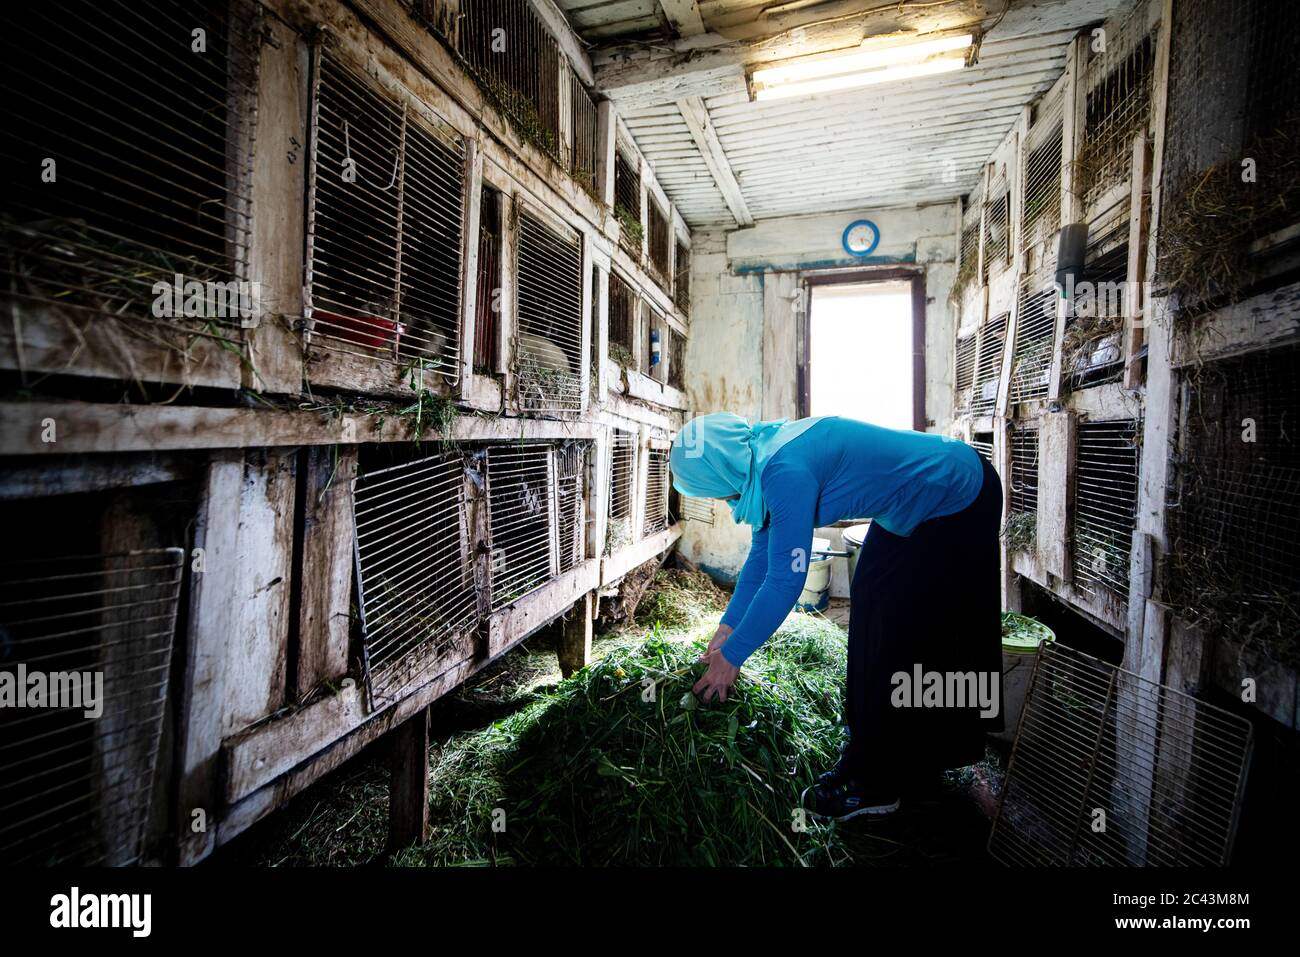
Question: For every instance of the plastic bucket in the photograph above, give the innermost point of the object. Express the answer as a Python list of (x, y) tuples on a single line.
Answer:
[(816, 594), (854, 536), (1019, 653)]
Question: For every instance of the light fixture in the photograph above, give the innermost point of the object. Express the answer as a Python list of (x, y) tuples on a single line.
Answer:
[(842, 71)]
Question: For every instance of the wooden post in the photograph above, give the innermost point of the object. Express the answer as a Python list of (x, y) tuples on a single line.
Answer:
[(276, 243), (1137, 256), (574, 649), (408, 786), (324, 622)]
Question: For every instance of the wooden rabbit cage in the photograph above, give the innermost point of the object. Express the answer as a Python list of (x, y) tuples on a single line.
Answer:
[(311, 410)]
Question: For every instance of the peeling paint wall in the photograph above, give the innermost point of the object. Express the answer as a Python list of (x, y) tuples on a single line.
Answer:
[(732, 273)]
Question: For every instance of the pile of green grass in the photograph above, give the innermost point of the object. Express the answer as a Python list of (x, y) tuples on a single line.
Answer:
[(594, 770), (622, 765)]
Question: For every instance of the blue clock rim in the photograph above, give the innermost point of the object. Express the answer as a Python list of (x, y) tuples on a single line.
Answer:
[(844, 239)]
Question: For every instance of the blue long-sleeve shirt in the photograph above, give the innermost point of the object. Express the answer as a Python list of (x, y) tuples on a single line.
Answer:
[(839, 469)]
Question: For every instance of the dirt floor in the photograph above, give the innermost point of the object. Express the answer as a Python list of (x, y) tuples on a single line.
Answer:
[(342, 819)]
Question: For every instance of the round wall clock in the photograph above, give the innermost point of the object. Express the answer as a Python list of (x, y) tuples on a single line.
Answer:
[(861, 238)]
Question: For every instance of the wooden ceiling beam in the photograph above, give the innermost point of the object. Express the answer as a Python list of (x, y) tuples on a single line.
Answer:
[(696, 116)]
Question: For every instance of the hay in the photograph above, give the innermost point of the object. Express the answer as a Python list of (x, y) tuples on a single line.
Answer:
[(1211, 217), (630, 223), (677, 598), (1021, 532)]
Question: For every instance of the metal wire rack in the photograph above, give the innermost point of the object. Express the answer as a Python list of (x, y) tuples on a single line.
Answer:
[(1040, 208), (150, 148), (1235, 61), (682, 278), (622, 316), (548, 355), (622, 475), (988, 365), (97, 632), (697, 510), (971, 220), (627, 203), (1092, 351), (487, 312), (1031, 355), (660, 241), (517, 62), (385, 222), (964, 373), (656, 494), (415, 574), (522, 511), (571, 467), (997, 229), (982, 442), (1117, 81), (1112, 769), (1105, 504), (585, 134), (1024, 471), (676, 352), (1234, 552), (651, 322)]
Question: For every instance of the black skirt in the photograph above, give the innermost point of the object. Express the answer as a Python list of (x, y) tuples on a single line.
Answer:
[(928, 603)]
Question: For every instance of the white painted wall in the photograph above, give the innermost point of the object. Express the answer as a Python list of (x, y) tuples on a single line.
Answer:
[(724, 360)]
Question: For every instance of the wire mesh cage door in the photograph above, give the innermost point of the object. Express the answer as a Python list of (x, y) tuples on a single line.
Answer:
[(548, 347), (415, 573), (997, 229), (85, 648), (1112, 769), (1021, 527), (656, 493), (1092, 348), (1234, 554), (697, 510), (964, 373), (971, 220), (622, 477), (1041, 159), (572, 463), (682, 277), (1035, 338), (1118, 105), (126, 213), (522, 516), (1105, 508), (385, 223), (988, 365), (585, 131), (517, 61)]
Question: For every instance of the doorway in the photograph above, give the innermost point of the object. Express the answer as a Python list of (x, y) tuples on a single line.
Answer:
[(865, 351)]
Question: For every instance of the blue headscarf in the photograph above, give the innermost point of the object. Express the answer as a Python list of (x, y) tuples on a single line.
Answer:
[(720, 454)]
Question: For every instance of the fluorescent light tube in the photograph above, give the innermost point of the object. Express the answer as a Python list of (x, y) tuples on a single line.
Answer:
[(861, 68), (849, 81)]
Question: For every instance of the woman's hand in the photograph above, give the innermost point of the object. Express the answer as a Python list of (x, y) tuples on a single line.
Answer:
[(718, 679), (719, 639)]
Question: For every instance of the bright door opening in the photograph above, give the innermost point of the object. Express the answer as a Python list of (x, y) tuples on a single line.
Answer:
[(860, 354)]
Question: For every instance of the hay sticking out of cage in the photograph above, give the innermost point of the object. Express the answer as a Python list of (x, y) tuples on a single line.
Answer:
[(1021, 532), (1210, 218), (1085, 337), (633, 231), (618, 534), (678, 597)]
